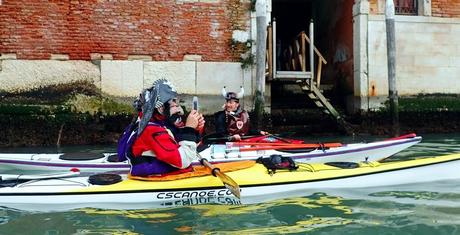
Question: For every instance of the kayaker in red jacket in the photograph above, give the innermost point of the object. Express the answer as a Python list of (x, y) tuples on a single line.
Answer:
[(233, 121), (164, 142)]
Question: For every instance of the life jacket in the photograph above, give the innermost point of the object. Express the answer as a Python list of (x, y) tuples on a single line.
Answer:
[(140, 165), (238, 123), (127, 140)]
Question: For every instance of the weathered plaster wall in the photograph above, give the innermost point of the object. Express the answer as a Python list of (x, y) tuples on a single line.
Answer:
[(427, 55), (203, 79), (22, 75), (125, 79), (427, 60)]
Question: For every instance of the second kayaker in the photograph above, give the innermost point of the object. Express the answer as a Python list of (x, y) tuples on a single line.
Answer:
[(233, 121)]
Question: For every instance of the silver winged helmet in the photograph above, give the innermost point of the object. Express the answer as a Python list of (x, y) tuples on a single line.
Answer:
[(153, 98)]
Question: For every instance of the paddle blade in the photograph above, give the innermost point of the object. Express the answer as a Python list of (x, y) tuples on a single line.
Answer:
[(229, 183)]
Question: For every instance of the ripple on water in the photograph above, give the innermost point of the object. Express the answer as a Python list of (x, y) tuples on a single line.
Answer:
[(424, 209)]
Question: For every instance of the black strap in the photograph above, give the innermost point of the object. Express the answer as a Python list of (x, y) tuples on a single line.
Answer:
[(140, 160)]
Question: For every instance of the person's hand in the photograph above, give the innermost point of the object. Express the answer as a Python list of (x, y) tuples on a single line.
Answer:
[(236, 137), (193, 119), (264, 133), (201, 123)]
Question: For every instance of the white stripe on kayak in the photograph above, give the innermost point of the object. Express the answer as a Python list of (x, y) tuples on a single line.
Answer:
[(5, 177)]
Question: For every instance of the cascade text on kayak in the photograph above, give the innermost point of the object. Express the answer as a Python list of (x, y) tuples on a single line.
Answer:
[(194, 194)]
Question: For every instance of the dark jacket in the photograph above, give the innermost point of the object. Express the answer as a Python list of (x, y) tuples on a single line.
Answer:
[(222, 121)]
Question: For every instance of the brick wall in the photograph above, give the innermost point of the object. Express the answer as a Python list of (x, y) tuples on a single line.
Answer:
[(439, 8), (166, 30), (445, 8), (373, 5)]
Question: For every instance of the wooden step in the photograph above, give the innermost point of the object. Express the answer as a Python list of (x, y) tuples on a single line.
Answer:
[(319, 104), (312, 96), (290, 75)]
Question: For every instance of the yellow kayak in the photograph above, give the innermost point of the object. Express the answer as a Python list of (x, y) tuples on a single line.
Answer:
[(254, 181)]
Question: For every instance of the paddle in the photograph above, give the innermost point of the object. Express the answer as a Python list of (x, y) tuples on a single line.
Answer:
[(209, 138), (411, 135), (229, 183), (227, 138), (280, 138), (287, 146), (284, 144)]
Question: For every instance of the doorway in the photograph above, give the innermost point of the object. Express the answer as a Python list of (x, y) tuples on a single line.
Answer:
[(333, 37)]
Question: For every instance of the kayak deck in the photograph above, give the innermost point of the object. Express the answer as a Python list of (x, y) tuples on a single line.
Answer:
[(258, 175)]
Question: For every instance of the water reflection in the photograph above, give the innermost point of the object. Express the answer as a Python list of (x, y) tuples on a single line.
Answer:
[(422, 209), (318, 212)]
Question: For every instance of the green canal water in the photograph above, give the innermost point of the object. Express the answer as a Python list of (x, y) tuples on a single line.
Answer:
[(432, 209)]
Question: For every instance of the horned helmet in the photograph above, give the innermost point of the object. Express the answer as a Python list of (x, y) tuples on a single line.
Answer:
[(233, 95)]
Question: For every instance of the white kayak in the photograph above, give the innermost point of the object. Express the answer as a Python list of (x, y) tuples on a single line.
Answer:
[(22, 177), (98, 163), (255, 184)]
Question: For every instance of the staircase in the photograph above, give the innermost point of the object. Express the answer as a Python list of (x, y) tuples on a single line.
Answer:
[(309, 81)]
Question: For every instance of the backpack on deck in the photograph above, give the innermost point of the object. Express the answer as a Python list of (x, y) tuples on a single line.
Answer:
[(277, 162), (126, 141)]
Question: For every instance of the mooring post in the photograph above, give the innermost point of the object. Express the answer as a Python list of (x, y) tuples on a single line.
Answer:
[(391, 59), (312, 55), (261, 51)]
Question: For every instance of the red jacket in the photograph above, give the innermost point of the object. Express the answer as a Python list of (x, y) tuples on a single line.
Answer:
[(157, 139)]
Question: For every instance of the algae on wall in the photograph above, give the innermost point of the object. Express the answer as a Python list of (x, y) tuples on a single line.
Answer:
[(424, 103), (74, 113), (78, 113)]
